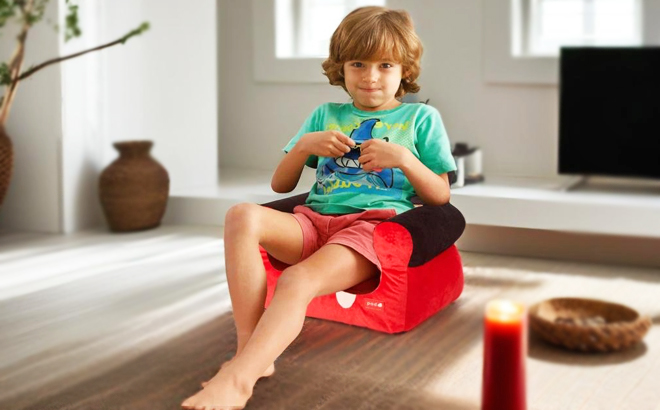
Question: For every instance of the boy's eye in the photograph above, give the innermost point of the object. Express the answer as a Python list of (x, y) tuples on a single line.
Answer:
[(358, 64)]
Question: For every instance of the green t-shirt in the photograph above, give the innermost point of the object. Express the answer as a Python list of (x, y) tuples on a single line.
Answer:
[(342, 186)]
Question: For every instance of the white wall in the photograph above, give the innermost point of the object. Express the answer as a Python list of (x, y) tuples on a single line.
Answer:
[(164, 87), (160, 86), (516, 125), (35, 126), (82, 107), (256, 120)]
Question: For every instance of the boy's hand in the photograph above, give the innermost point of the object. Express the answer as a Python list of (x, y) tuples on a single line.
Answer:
[(377, 154), (325, 144)]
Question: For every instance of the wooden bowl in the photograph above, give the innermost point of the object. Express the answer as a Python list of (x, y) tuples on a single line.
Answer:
[(588, 325)]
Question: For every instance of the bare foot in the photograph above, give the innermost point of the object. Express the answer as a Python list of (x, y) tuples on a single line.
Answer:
[(223, 392), (269, 372)]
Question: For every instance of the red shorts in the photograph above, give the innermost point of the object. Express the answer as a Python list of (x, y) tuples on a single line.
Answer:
[(353, 230)]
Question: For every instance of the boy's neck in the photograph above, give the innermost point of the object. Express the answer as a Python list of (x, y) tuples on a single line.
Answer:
[(393, 105)]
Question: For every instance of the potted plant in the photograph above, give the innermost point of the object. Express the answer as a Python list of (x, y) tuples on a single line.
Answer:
[(28, 13)]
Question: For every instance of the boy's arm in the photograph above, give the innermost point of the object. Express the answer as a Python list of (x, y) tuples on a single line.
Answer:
[(431, 187), (288, 172)]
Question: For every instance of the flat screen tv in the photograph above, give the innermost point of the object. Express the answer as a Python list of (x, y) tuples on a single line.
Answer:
[(609, 111)]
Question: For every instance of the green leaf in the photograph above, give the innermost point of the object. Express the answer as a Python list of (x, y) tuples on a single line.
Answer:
[(7, 11), (5, 75), (37, 12), (72, 29)]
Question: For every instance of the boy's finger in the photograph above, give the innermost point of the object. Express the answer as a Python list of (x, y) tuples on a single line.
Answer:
[(342, 147), (349, 141), (363, 159)]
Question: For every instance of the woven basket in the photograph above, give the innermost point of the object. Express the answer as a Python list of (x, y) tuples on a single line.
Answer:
[(6, 163), (588, 325)]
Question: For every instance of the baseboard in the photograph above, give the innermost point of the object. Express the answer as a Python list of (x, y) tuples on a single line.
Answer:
[(536, 243)]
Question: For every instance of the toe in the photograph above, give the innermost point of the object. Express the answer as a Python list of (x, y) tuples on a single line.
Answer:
[(188, 403)]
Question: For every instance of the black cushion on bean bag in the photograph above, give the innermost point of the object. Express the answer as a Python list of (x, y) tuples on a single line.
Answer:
[(287, 204), (433, 229)]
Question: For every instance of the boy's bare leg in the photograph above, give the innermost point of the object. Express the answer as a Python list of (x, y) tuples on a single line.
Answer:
[(332, 268), (246, 227)]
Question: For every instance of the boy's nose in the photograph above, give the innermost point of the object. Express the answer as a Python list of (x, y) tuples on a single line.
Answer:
[(370, 76)]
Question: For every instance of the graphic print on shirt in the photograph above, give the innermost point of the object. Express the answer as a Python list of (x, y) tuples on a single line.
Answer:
[(345, 174)]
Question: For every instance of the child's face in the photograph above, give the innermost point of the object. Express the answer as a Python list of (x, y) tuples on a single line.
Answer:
[(373, 84)]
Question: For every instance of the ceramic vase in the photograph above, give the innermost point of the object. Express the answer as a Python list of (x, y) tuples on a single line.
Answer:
[(134, 188)]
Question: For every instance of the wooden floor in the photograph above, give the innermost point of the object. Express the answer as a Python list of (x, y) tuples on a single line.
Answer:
[(136, 321)]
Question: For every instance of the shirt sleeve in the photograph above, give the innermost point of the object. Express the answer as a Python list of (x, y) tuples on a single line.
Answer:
[(311, 124), (433, 144)]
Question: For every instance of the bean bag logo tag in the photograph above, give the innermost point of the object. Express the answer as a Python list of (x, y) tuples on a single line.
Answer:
[(372, 304)]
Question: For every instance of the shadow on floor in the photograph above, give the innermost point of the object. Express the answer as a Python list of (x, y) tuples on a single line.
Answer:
[(329, 366)]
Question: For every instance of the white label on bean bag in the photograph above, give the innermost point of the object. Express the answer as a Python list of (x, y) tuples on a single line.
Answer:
[(345, 299)]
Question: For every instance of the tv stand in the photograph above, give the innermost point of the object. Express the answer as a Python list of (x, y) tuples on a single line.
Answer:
[(574, 183), (599, 207)]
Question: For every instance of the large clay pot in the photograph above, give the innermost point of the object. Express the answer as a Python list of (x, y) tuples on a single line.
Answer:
[(6, 162), (134, 188)]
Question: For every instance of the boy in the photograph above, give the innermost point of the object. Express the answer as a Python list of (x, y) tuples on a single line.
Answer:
[(394, 151)]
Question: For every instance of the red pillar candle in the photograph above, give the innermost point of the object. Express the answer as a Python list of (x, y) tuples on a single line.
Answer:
[(505, 350)]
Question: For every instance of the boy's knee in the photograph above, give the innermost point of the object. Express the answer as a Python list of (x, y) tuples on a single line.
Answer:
[(297, 280), (242, 215)]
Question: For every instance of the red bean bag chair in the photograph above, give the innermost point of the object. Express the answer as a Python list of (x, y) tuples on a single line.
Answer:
[(421, 271)]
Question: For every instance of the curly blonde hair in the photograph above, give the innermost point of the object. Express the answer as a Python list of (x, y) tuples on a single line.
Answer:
[(371, 33)]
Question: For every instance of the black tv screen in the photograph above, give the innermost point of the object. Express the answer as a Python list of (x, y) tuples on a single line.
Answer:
[(609, 111)]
